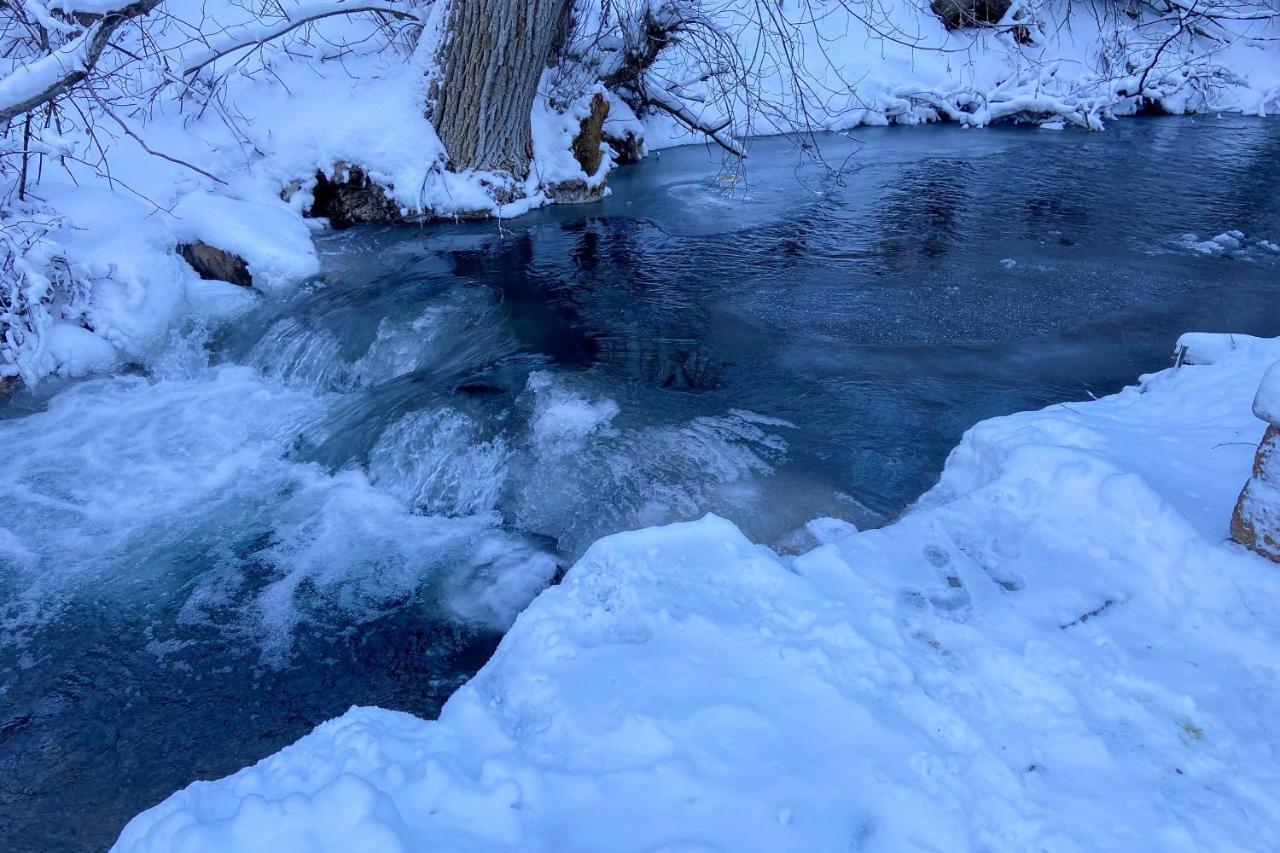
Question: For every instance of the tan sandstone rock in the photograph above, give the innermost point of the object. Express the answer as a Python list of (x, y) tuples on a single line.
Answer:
[(1256, 521)]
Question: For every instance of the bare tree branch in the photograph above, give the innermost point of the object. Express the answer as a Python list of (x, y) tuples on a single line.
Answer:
[(55, 73), (154, 153), (296, 18), (672, 105)]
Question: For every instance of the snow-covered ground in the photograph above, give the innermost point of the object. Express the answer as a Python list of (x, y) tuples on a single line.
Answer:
[(91, 278), (892, 62), (1056, 649)]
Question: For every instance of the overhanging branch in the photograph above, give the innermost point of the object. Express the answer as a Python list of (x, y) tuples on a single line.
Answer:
[(672, 105), (53, 74), (301, 16)]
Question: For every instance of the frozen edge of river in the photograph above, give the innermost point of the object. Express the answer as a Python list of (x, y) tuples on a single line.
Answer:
[(1056, 648)]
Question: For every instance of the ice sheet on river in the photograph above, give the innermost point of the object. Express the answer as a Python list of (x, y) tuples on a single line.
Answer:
[(1055, 650)]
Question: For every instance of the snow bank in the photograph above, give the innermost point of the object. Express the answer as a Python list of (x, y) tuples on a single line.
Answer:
[(1050, 62), (98, 250), (240, 158), (1055, 649), (1212, 347)]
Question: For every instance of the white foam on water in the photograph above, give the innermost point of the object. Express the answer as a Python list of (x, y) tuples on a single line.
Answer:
[(438, 463), (580, 473), (177, 495), (333, 345), (301, 356)]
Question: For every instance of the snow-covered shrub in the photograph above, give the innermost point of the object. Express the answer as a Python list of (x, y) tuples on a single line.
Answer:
[(37, 290)]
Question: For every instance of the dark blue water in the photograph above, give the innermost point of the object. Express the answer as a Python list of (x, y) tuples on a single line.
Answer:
[(344, 498)]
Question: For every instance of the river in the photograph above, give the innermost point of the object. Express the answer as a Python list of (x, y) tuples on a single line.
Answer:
[(346, 497)]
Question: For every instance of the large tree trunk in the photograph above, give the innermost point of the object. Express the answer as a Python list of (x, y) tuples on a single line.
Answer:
[(490, 60)]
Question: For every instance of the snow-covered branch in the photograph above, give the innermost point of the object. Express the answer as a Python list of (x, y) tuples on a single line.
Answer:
[(673, 106), (41, 80), (294, 18)]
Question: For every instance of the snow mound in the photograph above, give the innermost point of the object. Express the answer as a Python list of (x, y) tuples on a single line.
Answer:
[(1266, 405), (1212, 347), (1055, 650)]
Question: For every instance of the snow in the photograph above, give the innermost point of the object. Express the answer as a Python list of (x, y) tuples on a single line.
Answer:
[(248, 36), (25, 82), (893, 62), (1054, 649), (1266, 405), (79, 351), (301, 104), (140, 287), (1212, 347), (274, 242), (88, 7), (553, 134)]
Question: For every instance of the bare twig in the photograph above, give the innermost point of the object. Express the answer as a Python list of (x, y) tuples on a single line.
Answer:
[(294, 19), (56, 73)]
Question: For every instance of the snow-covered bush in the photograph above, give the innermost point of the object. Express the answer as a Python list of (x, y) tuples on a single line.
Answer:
[(38, 291)]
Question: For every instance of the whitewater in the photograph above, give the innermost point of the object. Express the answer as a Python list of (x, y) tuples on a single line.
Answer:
[(1055, 649), (842, 497), (347, 495)]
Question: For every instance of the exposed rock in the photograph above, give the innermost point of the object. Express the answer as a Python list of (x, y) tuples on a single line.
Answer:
[(957, 14), (1256, 521), (628, 147), (8, 384), (353, 200), (290, 190), (575, 192), (214, 264)]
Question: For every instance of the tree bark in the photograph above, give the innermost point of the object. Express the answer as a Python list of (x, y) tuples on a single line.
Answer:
[(490, 61)]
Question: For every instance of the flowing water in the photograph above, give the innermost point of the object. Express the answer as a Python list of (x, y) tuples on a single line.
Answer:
[(345, 498)]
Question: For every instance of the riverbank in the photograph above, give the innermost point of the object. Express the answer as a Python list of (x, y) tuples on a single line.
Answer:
[(339, 498), (95, 281), (1057, 647)]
